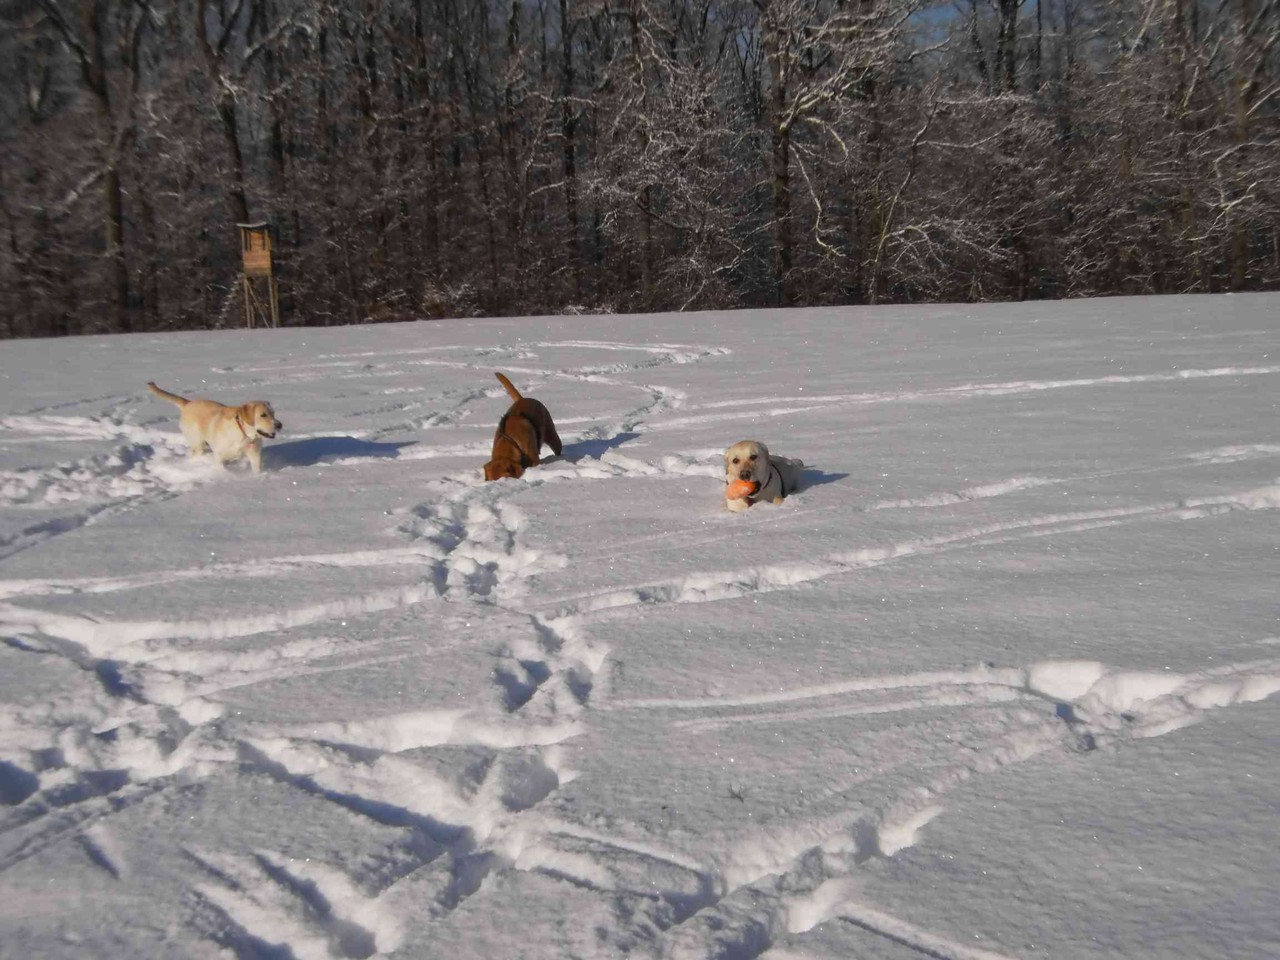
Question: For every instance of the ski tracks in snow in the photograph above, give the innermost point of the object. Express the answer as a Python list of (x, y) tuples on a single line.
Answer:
[(67, 495), (68, 768), (786, 879)]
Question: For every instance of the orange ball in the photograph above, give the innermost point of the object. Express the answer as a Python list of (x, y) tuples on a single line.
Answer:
[(741, 489)]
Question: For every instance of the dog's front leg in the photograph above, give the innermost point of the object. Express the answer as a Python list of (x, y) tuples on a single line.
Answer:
[(253, 453)]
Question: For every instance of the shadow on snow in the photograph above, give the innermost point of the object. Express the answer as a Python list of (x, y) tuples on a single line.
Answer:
[(313, 450), (595, 448)]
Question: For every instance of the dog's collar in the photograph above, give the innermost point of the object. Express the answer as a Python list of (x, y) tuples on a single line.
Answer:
[(782, 487), (526, 461)]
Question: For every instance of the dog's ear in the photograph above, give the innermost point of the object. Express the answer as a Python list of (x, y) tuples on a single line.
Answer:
[(764, 451), (245, 412)]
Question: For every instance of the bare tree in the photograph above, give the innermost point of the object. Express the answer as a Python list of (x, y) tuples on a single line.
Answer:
[(821, 58), (216, 25), (451, 157), (87, 41)]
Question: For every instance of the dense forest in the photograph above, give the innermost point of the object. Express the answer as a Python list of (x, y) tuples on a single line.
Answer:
[(437, 158)]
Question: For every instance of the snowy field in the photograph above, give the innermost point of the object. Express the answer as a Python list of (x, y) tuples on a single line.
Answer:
[(999, 681)]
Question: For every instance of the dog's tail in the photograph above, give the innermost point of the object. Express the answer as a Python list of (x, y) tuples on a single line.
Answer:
[(511, 389), (166, 395)]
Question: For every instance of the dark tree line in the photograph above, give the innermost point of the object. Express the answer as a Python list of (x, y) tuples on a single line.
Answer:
[(456, 157)]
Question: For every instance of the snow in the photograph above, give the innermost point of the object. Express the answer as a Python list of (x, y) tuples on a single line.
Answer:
[(998, 681)]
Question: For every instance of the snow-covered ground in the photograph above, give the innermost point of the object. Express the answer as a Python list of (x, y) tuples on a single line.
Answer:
[(997, 682)]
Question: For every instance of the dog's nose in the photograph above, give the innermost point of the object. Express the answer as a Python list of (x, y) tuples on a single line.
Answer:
[(744, 474)]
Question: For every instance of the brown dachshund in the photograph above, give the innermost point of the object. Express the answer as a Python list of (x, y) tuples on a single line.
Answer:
[(522, 431)]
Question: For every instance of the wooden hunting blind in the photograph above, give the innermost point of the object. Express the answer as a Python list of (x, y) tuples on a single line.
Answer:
[(256, 245), (257, 241)]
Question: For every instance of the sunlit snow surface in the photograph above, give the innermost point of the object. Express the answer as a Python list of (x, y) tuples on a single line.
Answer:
[(998, 681)]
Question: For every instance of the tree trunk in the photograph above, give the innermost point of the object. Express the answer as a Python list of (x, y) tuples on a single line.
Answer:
[(1247, 70), (93, 69), (225, 107), (779, 159), (515, 193), (1007, 44), (568, 129), (231, 138), (645, 218)]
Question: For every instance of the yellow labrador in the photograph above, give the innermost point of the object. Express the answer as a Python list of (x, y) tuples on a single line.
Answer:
[(229, 432), (773, 477)]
